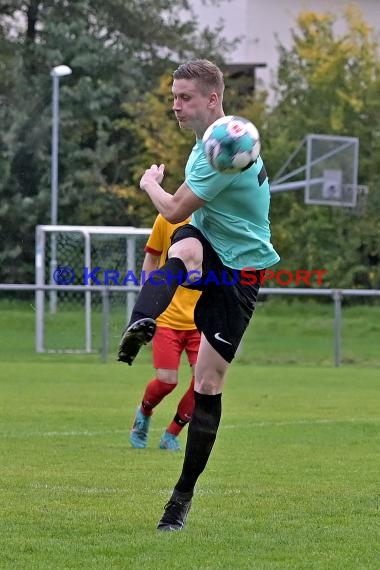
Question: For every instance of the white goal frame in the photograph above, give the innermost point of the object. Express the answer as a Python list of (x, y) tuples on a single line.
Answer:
[(130, 233)]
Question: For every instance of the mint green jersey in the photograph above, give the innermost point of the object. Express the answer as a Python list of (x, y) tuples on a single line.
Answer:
[(235, 218)]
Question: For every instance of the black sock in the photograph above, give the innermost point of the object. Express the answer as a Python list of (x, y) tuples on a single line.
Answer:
[(179, 421), (200, 439), (158, 291)]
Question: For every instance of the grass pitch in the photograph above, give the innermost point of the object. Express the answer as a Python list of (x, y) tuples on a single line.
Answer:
[(282, 333), (292, 483)]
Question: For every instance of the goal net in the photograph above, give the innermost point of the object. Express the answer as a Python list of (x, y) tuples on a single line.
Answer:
[(68, 320)]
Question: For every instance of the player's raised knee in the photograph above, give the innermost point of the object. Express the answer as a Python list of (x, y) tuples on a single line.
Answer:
[(190, 251)]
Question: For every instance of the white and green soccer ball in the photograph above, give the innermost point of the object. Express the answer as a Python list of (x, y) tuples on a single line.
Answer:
[(231, 144)]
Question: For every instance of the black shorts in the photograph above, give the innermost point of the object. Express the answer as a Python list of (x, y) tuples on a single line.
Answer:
[(226, 305)]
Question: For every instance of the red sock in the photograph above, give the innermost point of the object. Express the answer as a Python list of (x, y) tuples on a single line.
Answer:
[(154, 393), (184, 411)]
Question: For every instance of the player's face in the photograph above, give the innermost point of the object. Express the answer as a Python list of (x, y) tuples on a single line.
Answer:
[(192, 108)]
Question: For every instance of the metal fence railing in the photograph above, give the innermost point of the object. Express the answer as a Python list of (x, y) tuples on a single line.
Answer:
[(335, 294)]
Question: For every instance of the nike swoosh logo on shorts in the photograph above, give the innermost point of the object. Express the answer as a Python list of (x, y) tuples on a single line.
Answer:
[(218, 337)]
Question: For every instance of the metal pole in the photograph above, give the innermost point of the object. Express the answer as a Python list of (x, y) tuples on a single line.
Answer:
[(87, 295), (105, 324), (40, 294), (54, 187), (54, 151), (131, 266), (337, 296)]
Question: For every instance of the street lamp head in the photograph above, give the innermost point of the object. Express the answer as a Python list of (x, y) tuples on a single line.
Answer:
[(61, 71)]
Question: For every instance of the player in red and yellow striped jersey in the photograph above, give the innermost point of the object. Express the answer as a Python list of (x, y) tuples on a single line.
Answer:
[(176, 333)]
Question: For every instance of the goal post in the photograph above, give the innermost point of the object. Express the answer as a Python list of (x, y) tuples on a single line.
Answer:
[(92, 255)]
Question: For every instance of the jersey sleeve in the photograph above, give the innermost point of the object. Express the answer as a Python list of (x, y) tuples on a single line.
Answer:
[(205, 181), (154, 245)]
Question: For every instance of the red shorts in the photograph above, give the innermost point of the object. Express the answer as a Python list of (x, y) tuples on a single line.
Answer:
[(169, 344)]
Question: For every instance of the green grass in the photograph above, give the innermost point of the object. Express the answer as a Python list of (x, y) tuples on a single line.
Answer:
[(299, 333), (293, 481)]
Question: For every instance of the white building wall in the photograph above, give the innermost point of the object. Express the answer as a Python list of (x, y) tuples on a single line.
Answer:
[(258, 22)]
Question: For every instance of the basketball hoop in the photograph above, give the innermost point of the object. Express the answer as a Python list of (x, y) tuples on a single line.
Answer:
[(329, 173)]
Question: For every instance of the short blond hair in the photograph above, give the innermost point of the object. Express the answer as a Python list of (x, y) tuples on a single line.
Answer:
[(207, 75)]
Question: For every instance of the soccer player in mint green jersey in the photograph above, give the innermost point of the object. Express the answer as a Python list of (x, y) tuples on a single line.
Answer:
[(228, 237), (234, 218)]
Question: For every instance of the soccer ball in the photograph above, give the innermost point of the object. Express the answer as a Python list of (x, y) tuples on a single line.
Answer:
[(231, 144)]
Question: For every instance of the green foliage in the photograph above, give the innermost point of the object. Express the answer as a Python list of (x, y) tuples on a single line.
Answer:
[(117, 50), (161, 141), (116, 119), (327, 84)]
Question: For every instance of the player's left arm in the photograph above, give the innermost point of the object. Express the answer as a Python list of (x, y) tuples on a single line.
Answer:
[(174, 207), (150, 263)]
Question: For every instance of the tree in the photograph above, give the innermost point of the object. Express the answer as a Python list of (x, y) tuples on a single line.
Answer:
[(341, 241), (117, 50), (327, 84)]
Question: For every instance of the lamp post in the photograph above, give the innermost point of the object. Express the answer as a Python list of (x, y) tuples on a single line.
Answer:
[(56, 73)]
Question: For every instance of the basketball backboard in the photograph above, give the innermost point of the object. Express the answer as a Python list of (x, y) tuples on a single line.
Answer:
[(326, 167)]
